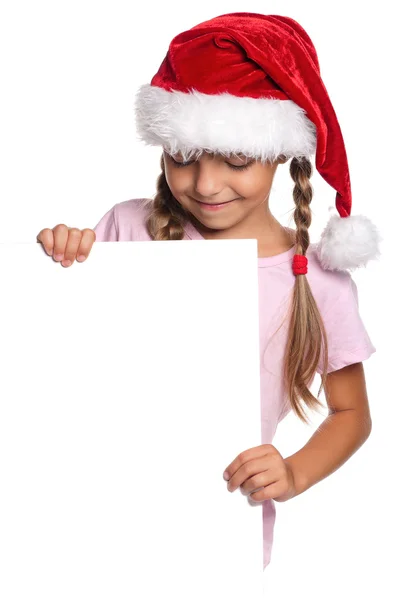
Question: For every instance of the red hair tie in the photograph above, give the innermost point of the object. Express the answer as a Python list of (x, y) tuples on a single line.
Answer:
[(300, 263)]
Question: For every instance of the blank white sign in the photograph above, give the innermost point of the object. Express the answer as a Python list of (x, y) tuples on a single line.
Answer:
[(128, 383)]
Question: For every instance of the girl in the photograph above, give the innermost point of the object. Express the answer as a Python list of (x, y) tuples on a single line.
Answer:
[(235, 97)]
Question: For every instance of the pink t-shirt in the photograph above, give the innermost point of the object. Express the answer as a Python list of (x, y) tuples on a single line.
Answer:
[(334, 291)]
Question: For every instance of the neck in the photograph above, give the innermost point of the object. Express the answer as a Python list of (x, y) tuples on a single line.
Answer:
[(271, 236)]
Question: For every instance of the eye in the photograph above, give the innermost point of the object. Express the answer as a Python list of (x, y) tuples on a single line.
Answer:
[(180, 164), (240, 167), (233, 167)]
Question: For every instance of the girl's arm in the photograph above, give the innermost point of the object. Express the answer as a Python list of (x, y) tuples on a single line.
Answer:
[(341, 434)]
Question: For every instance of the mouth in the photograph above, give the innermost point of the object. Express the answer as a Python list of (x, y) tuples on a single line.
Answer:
[(213, 206)]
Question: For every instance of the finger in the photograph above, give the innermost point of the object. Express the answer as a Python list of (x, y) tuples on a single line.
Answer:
[(273, 490), (86, 243), (247, 471), (245, 456), (259, 480), (46, 238), (72, 245), (61, 233)]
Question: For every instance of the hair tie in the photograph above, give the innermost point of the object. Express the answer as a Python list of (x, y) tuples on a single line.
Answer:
[(300, 263)]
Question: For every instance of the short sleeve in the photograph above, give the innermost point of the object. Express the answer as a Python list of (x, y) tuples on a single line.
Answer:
[(348, 339), (106, 230)]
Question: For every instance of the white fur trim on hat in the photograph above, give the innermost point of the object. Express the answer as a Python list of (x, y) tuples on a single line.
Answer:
[(348, 243), (193, 122)]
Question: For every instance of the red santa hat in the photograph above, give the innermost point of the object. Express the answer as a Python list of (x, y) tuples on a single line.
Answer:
[(250, 83)]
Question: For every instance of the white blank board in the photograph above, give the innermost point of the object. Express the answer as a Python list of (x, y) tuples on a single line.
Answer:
[(128, 383)]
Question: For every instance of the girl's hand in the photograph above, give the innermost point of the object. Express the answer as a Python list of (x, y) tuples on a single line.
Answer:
[(66, 243), (262, 467)]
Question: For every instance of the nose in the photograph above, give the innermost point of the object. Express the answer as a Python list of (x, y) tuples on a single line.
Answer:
[(208, 177)]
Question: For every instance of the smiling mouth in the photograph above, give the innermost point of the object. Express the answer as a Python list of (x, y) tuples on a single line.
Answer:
[(216, 203)]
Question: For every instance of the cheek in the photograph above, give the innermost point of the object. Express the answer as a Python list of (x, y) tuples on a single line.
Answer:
[(177, 182), (246, 186), (252, 184)]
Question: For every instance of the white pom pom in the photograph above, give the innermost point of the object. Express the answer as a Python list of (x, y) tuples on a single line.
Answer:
[(348, 243)]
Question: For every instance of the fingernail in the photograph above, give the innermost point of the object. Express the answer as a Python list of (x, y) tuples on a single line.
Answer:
[(58, 256), (226, 476), (81, 258), (66, 263)]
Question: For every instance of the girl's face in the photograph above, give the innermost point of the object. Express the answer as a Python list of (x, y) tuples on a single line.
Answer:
[(241, 184)]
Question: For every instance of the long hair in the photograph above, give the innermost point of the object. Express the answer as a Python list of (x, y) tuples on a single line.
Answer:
[(306, 338)]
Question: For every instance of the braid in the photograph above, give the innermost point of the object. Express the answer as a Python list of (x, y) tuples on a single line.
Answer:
[(306, 329), (301, 171), (167, 216)]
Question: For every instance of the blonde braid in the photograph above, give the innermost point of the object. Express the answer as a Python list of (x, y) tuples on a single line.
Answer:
[(306, 332), (167, 216)]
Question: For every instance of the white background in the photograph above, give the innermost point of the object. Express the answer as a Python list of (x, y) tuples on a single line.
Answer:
[(68, 153)]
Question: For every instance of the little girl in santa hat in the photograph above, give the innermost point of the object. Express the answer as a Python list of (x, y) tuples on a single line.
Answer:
[(233, 98)]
